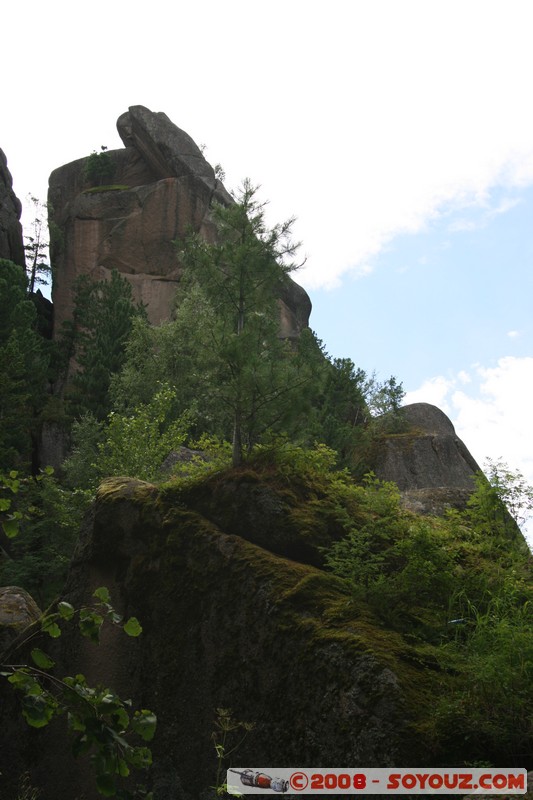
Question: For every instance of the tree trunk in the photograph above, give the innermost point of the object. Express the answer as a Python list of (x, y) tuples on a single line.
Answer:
[(236, 458)]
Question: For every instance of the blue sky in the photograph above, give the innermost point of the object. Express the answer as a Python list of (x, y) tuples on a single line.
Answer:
[(457, 293), (400, 134)]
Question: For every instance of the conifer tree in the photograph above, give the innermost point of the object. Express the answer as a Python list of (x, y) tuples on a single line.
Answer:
[(103, 318), (24, 359), (241, 275)]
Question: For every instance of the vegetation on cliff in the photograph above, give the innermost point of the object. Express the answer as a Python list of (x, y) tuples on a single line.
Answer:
[(276, 475)]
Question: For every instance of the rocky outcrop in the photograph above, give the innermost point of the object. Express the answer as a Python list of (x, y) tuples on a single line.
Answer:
[(228, 623), (11, 242), (162, 186), (430, 464)]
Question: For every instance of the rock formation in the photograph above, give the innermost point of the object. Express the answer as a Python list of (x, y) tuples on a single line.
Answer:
[(430, 464), (17, 610), (161, 187), (229, 623), (11, 242)]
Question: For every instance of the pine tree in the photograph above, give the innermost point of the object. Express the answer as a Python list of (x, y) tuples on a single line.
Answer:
[(38, 267), (103, 318), (24, 360), (241, 276)]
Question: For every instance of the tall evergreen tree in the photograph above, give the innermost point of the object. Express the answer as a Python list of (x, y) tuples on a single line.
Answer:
[(103, 317), (38, 267), (241, 275), (24, 360)]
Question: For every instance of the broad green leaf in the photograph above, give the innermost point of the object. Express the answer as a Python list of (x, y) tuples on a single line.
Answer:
[(41, 659), (65, 609), (144, 723), (90, 624), (122, 768), (133, 627), (50, 627), (75, 723), (11, 528), (25, 682), (5, 504), (121, 718), (139, 757), (102, 594), (38, 710)]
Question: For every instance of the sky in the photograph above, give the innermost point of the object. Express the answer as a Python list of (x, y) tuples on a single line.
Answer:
[(400, 134)]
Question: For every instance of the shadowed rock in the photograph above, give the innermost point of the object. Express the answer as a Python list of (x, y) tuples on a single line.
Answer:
[(11, 242), (227, 623)]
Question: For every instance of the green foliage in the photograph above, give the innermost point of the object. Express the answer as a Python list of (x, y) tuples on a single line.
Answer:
[(493, 655), (499, 493), (103, 317), (134, 443), (398, 563), (209, 455), (346, 409), (41, 520), (80, 469), (24, 361), (99, 168), (179, 353), (227, 737), (240, 276), (385, 397), (463, 585), (99, 721), (340, 407)]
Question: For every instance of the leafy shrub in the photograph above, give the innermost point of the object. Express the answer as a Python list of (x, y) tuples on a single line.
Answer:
[(99, 167)]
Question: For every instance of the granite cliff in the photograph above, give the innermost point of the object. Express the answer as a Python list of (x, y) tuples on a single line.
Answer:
[(228, 573), (159, 187)]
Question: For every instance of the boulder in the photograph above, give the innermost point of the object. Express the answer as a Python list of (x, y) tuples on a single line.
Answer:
[(162, 188), (431, 466), (18, 609), (11, 242), (167, 149)]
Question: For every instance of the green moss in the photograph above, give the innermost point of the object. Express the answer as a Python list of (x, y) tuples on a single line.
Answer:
[(238, 614), (121, 488)]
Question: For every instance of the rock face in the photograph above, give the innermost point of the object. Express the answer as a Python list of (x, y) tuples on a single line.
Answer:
[(430, 464), (11, 242), (228, 623), (165, 187)]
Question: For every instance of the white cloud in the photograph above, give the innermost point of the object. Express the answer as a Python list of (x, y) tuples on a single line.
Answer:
[(513, 334), (435, 391), (385, 114)]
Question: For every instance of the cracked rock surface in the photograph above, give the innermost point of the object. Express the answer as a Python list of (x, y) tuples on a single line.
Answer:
[(161, 187)]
